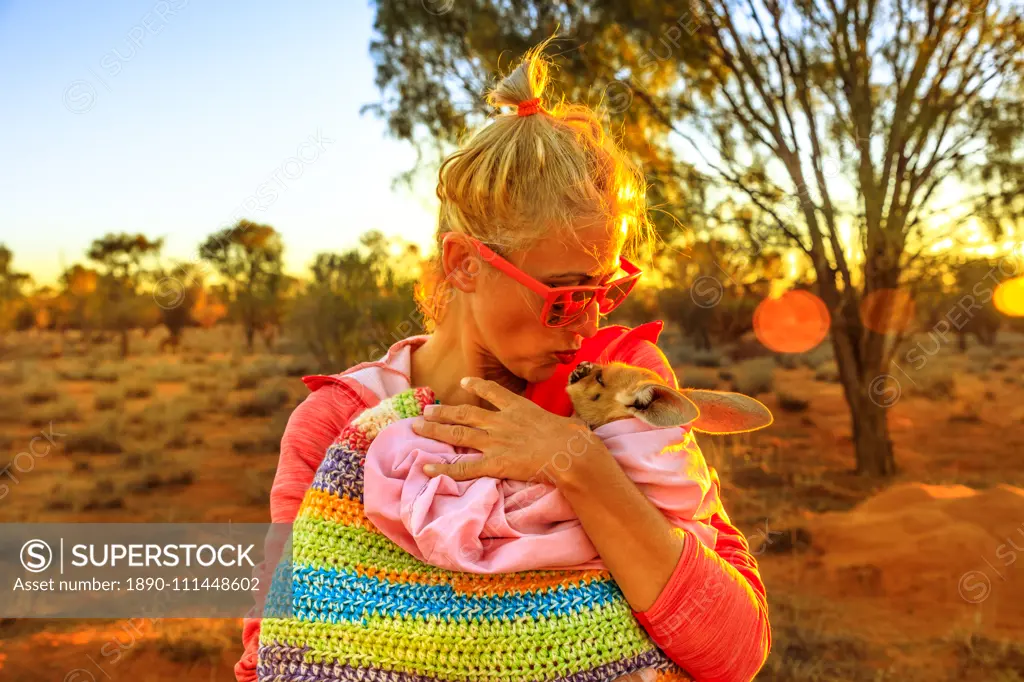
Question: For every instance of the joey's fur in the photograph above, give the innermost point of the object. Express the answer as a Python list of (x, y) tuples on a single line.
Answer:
[(606, 393)]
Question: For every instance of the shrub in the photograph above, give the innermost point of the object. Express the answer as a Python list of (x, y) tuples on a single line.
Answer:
[(109, 373), (255, 371), (167, 372), (700, 378), (14, 375), (108, 399), (829, 372), (100, 437), (300, 366), (40, 392), (935, 381), (789, 402), (263, 403), (73, 372), (754, 376), (138, 388), (707, 358), (63, 411)]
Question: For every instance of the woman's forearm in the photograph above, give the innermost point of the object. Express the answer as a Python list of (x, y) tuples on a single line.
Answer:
[(705, 609), (635, 541)]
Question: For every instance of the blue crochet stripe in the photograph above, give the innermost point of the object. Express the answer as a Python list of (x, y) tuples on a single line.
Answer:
[(329, 595)]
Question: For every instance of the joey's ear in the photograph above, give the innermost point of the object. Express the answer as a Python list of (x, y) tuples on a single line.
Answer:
[(724, 412), (659, 405)]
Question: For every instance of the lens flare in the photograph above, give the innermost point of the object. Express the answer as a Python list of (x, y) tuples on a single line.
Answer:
[(794, 322), (888, 310), (1009, 297)]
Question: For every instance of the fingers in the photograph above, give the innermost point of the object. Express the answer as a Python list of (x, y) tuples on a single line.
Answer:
[(492, 392), (463, 469), (470, 415), (453, 434)]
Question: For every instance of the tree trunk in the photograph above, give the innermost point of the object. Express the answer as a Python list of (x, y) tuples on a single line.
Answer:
[(250, 332), (124, 343), (868, 397), (871, 441)]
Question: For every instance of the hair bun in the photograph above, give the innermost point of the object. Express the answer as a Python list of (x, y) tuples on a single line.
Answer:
[(524, 83)]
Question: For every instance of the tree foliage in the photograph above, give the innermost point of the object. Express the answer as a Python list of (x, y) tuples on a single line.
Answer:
[(838, 129)]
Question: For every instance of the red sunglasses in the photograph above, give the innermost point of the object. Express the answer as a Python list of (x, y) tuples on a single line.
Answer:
[(563, 305)]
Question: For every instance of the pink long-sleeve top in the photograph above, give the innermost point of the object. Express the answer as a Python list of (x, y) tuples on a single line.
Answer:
[(490, 525), (711, 617)]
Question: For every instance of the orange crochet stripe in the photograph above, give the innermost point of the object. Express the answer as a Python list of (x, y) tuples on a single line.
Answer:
[(483, 584), (319, 504)]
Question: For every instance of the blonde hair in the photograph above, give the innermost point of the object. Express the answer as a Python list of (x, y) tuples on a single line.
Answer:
[(519, 178)]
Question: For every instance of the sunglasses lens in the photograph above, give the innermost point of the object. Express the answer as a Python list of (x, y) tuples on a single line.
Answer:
[(616, 294), (568, 306)]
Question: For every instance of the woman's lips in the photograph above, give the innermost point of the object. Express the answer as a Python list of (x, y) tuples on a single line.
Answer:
[(565, 357)]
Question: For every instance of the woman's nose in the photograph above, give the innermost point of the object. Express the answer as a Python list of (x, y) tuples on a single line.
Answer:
[(586, 325)]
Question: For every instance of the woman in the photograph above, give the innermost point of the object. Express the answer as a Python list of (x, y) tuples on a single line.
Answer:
[(563, 207)]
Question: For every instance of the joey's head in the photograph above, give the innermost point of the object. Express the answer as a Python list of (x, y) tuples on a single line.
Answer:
[(606, 393)]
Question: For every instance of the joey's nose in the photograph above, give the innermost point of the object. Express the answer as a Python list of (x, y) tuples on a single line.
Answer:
[(582, 370)]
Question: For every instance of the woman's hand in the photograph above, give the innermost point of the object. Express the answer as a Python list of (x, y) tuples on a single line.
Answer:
[(520, 441)]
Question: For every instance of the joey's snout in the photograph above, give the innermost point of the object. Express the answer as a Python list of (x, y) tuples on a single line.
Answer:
[(583, 369)]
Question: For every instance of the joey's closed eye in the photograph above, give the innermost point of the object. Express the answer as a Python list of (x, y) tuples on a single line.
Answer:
[(599, 379)]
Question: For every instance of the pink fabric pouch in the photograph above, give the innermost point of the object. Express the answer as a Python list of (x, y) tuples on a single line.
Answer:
[(487, 525)]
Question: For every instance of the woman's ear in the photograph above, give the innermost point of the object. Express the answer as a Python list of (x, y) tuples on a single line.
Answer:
[(659, 405), (461, 263)]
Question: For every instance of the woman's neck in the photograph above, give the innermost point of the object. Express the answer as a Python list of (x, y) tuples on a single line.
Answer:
[(445, 358)]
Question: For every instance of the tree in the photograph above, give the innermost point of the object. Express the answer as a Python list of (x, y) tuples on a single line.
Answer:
[(12, 294), (358, 303), (839, 126), (248, 257), (125, 261)]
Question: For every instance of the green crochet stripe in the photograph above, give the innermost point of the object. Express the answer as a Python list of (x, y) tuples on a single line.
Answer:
[(319, 543), (562, 645)]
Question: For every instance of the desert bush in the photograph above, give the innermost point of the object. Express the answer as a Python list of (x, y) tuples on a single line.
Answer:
[(263, 403), (62, 411), (155, 480), (138, 388), (108, 399), (789, 360), (804, 651), (188, 650), (980, 357), (166, 417), (754, 376), (989, 659), (39, 392), (165, 371), (300, 366), (73, 371), (203, 385), (252, 374), (706, 358), (700, 378), (98, 437), (109, 373), (678, 352), (789, 402), (935, 381), (15, 374), (829, 372)]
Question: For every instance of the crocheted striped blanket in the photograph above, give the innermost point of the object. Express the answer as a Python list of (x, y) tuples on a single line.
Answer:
[(364, 609)]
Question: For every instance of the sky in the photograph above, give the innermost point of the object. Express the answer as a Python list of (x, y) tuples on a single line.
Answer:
[(174, 118)]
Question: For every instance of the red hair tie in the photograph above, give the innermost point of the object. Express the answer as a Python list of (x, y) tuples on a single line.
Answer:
[(528, 107)]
